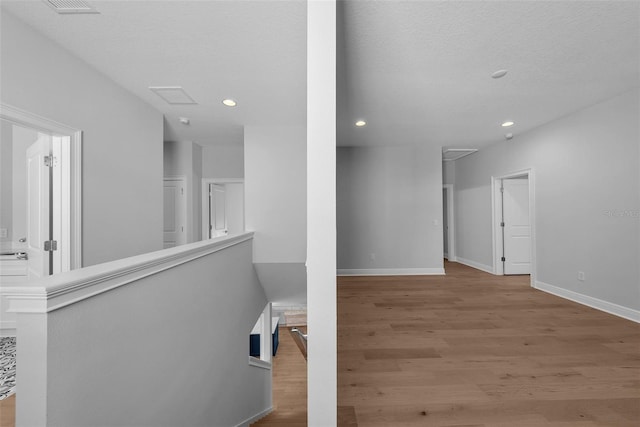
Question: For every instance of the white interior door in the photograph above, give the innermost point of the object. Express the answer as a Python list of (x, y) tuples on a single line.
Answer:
[(38, 207), (217, 210), (175, 213), (517, 226)]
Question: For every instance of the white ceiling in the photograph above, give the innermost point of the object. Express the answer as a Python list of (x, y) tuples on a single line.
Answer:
[(251, 51), (419, 71), (416, 71)]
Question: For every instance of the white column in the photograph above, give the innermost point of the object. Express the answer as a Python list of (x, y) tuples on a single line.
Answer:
[(321, 213)]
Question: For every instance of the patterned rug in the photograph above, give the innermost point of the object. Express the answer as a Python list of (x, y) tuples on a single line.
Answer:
[(7, 367)]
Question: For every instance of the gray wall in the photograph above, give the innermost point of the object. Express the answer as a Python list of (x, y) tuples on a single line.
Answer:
[(275, 208), (223, 161), (387, 201), (586, 193), (122, 140)]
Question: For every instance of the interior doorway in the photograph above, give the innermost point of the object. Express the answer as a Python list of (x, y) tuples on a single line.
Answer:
[(448, 223), (222, 207), (175, 212), (40, 219), (513, 224)]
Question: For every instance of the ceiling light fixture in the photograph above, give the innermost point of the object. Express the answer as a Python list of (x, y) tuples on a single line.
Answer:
[(185, 121), (499, 74), (360, 123), (229, 102), (507, 124)]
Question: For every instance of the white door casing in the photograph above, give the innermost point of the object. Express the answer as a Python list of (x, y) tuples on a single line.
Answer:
[(517, 226), (175, 212), (217, 211), (38, 207)]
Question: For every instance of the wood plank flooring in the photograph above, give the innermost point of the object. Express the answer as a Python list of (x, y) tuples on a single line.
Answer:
[(8, 411), (289, 385), (473, 349), (466, 349)]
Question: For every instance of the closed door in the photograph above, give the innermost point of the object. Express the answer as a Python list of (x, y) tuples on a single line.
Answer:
[(39, 207), (517, 226), (175, 213), (217, 210)]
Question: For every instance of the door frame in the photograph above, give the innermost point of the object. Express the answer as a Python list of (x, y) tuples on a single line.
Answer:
[(451, 234), (205, 200), (71, 197), (496, 204), (185, 203)]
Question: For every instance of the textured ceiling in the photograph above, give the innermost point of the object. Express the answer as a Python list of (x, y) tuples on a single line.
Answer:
[(419, 71), (251, 51), (416, 71)]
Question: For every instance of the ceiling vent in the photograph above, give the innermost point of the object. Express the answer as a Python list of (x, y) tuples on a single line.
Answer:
[(450, 154), (71, 6), (173, 95)]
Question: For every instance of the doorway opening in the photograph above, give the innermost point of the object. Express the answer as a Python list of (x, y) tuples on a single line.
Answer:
[(514, 224), (448, 223), (222, 207), (41, 192), (175, 211)]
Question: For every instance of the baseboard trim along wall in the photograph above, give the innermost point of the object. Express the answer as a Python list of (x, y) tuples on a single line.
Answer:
[(255, 418), (598, 304), (390, 271), (476, 265)]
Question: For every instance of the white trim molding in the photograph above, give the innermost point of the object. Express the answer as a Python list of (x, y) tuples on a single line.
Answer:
[(60, 290), (598, 304), (476, 265), (390, 271), (256, 417)]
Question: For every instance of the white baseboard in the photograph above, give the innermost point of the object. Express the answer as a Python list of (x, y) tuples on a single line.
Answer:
[(255, 418), (390, 271), (598, 304), (476, 265)]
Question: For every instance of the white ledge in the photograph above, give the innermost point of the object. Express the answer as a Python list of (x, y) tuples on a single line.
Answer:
[(54, 292)]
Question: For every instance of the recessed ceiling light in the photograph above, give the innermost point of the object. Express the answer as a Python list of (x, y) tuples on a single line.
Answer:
[(498, 74), (229, 102), (507, 124), (360, 123), (185, 121)]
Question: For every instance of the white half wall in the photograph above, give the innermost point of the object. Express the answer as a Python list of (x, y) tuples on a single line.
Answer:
[(389, 212), (587, 198), (160, 339), (121, 146)]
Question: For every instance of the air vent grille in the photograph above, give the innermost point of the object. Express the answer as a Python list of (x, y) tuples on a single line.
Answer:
[(71, 6), (174, 95), (450, 154)]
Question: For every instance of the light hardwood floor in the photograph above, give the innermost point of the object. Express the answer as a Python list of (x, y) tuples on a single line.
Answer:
[(289, 385), (8, 411), (467, 349), (473, 349)]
